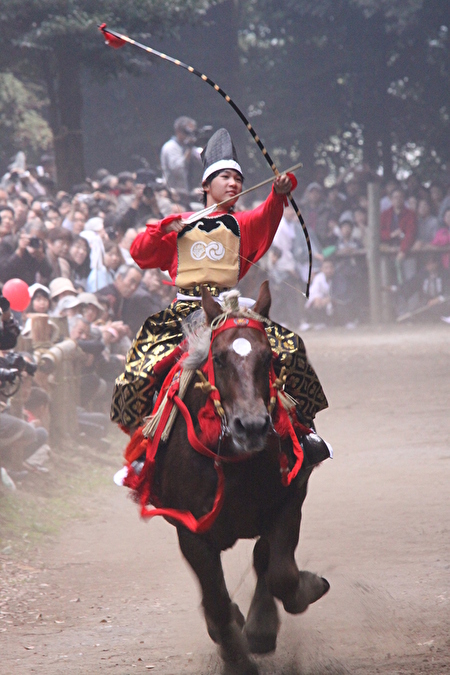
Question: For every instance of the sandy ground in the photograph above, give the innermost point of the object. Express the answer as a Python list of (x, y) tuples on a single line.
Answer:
[(112, 595)]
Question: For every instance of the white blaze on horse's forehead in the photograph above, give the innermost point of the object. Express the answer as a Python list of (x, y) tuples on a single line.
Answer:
[(241, 346)]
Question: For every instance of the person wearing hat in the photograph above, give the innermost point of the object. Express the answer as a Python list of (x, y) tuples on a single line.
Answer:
[(216, 251), (39, 299), (60, 287)]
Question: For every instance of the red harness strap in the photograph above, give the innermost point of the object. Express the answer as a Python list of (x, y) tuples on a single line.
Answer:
[(283, 424)]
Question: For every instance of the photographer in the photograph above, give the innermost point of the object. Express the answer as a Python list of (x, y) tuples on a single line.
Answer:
[(28, 262), (143, 207), (181, 162), (9, 328), (16, 435)]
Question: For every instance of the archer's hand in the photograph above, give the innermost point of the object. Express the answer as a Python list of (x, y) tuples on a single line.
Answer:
[(172, 223), (285, 183)]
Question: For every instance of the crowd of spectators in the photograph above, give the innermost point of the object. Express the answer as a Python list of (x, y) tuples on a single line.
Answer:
[(72, 250), (415, 245)]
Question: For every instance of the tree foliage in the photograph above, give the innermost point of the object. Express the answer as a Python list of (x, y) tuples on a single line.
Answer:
[(22, 126), (364, 77), (56, 39)]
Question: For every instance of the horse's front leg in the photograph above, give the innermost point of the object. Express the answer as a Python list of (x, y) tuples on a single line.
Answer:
[(222, 616), (261, 627), (295, 589)]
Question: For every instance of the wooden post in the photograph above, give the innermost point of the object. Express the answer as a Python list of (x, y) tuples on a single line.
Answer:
[(373, 252)]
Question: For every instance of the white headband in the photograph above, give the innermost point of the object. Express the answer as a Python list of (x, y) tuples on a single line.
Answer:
[(219, 166)]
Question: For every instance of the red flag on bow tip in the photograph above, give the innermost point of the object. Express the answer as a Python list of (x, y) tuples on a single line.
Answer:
[(111, 40)]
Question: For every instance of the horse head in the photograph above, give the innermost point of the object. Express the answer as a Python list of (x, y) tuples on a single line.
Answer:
[(242, 357)]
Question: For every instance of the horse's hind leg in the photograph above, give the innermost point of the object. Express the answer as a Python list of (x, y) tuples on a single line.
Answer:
[(262, 623), (295, 589), (220, 613)]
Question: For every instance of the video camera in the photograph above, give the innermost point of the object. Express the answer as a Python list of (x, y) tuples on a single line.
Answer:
[(198, 136), (14, 360), (11, 367)]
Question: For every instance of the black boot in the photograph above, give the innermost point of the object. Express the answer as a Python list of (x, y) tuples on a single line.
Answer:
[(315, 449)]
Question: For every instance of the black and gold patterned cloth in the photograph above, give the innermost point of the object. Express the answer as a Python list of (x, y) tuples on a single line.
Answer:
[(162, 333)]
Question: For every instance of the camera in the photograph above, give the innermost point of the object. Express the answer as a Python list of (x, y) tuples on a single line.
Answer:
[(7, 376), (4, 304), (148, 191), (35, 242), (204, 134), (12, 360), (112, 233)]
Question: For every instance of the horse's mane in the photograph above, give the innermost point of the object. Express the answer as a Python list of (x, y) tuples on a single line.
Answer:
[(198, 335), (198, 332)]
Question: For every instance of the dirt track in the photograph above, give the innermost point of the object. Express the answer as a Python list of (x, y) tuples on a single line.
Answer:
[(112, 594)]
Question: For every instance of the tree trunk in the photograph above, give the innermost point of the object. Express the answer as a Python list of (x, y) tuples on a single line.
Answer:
[(62, 72)]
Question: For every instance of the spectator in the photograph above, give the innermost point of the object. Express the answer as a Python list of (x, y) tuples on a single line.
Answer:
[(360, 225), (118, 293), (39, 299), (79, 261), (28, 262), (8, 240), (105, 274), (427, 224), (59, 289), (389, 188), (315, 211), (161, 294), (143, 207), (7, 221), (125, 243), (75, 219), (319, 306), (21, 208), (37, 413), (52, 217), (442, 237), (93, 389), (58, 244), (436, 198), (125, 190), (345, 241), (181, 162), (398, 224), (427, 289)]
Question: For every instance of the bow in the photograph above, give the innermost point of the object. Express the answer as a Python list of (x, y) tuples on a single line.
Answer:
[(117, 40)]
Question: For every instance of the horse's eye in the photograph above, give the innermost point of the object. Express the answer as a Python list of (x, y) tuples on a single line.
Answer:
[(219, 360)]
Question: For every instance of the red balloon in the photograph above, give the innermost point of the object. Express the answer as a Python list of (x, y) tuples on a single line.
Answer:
[(16, 291)]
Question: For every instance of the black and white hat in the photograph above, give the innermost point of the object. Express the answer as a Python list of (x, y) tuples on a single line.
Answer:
[(219, 154)]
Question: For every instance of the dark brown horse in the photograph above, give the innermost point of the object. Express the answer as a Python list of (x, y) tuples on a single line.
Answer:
[(255, 502)]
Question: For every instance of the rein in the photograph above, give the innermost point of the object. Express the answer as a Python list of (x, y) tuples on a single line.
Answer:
[(283, 427)]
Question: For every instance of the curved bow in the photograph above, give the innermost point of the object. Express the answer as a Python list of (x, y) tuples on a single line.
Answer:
[(117, 40)]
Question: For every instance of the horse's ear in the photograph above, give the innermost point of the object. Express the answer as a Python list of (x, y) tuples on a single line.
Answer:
[(210, 306), (264, 300)]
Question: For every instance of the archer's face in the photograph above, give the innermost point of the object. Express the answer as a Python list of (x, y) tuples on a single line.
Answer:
[(227, 184)]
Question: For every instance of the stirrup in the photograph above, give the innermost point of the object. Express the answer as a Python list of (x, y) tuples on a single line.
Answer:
[(315, 449)]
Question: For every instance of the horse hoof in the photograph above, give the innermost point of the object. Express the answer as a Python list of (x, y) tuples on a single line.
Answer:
[(310, 588), (249, 668)]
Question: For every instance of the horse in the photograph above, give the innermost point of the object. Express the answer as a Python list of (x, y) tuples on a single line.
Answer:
[(240, 488)]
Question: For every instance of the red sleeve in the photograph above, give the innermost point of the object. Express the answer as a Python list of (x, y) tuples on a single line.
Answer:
[(409, 228), (155, 248), (258, 228), (385, 224)]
